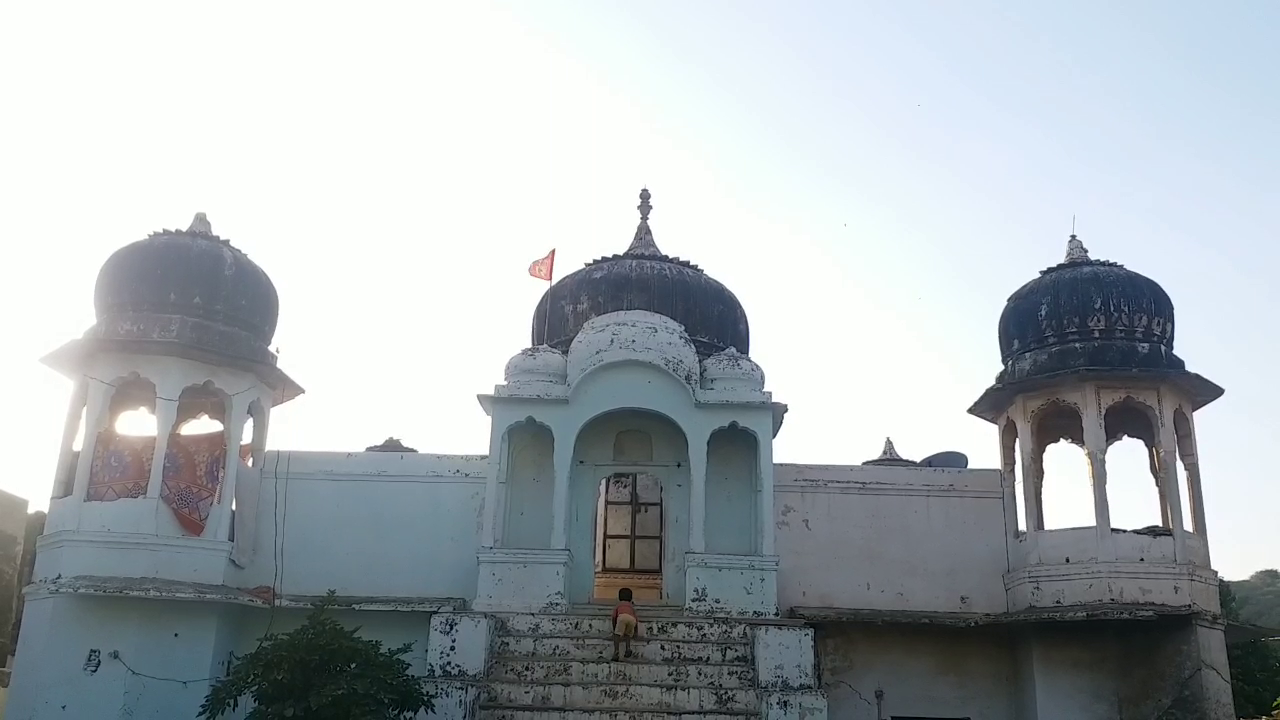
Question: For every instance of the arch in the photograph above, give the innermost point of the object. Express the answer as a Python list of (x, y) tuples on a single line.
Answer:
[(1193, 503), (633, 446), (631, 385), (665, 503), (1069, 501), (1009, 457), (121, 463), (1131, 429), (529, 469), (733, 491)]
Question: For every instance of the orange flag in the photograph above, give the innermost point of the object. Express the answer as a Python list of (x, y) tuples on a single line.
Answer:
[(543, 267)]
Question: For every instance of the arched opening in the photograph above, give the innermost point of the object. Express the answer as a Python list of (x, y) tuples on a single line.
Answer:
[(1060, 471), (125, 447), (1135, 494), (733, 491), (196, 457), (1010, 456), (1193, 493), (246, 437), (530, 482), (629, 490)]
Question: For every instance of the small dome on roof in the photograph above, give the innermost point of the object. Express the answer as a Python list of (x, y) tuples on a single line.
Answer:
[(539, 364), (731, 370)]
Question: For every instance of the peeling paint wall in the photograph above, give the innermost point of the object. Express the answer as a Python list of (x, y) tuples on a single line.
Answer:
[(923, 672), (890, 538)]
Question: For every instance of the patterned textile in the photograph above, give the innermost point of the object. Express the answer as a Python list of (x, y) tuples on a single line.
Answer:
[(193, 470), (121, 466)]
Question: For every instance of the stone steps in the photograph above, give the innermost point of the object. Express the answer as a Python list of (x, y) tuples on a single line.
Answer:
[(636, 698), (559, 670), (599, 625), (601, 648), (515, 713)]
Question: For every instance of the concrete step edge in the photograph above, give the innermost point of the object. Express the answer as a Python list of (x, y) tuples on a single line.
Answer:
[(632, 661), (597, 636), (603, 683), (598, 709)]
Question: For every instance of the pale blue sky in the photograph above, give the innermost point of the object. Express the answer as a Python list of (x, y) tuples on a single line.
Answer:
[(871, 179)]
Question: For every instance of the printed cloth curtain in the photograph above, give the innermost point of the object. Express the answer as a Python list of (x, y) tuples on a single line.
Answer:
[(193, 470), (121, 466), (191, 485)]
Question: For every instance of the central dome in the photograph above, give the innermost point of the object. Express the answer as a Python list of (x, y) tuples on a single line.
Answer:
[(643, 278)]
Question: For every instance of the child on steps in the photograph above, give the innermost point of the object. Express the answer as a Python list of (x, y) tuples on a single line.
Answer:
[(625, 623)]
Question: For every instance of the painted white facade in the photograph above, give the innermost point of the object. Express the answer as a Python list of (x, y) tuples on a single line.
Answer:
[(807, 591)]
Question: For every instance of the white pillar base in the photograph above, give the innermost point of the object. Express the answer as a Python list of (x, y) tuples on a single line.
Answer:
[(519, 580)]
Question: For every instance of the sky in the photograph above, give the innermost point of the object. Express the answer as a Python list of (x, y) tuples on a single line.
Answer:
[(872, 179)]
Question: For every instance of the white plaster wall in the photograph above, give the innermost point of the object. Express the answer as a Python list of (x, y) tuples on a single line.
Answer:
[(164, 639), (530, 481), (927, 539), (368, 524), (924, 672), (732, 496)]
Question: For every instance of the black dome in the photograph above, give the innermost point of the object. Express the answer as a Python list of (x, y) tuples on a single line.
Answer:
[(1092, 316), (642, 278), (187, 287)]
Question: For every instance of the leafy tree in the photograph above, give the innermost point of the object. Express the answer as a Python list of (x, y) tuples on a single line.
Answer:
[(1255, 665), (320, 671), (1258, 598)]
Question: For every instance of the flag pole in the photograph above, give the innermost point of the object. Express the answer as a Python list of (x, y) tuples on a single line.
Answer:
[(546, 316)]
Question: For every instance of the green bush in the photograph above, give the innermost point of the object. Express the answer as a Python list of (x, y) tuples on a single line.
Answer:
[(320, 671)]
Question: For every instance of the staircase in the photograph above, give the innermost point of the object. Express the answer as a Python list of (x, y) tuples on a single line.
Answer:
[(557, 667)]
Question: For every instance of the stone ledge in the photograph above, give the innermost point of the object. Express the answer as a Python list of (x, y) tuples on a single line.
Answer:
[(966, 620), (156, 589)]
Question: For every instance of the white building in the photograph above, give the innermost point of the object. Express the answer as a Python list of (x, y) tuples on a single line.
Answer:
[(631, 446)]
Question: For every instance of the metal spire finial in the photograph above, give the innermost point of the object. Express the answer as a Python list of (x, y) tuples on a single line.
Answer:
[(889, 452), (200, 225), (642, 243)]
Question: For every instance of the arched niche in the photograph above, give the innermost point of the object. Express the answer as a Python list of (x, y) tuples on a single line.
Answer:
[(733, 497), (1135, 493), (125, 446), (530, 481), (1060, 470), (632, 466)]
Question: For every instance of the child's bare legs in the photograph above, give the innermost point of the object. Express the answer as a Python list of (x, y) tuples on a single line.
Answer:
[(617, 640)]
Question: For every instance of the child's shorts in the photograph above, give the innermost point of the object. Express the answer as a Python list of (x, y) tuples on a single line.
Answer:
[(625, 627)]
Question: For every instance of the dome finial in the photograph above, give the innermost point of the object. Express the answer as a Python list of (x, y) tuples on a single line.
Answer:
[(642, 243), (1076, 251), (889, 452), (200, 225)]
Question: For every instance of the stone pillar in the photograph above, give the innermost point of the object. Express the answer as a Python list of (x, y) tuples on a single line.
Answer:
[(764, 444), (64, 476), (97, 415), (457, 660), (786, 674), (233, 428), (1191, 463), (1166, 449), (1030, 497), (563, 464), (166, 416), (1095, 448), (698, 492), (497, 448)]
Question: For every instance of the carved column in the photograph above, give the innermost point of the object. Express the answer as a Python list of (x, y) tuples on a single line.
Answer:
[(1030, 494), (560, 492), (64, 476), (497, 448), (97, 415), (764, 443), (698, 491), (1095, 447), (166, 416), (1165, 450)]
